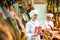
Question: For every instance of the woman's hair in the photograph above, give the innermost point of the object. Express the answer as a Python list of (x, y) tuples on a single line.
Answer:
[(2, 3)]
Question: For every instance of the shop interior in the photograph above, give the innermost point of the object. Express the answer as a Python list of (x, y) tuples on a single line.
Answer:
[(14, 15)]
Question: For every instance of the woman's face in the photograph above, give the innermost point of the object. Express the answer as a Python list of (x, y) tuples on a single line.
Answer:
[(34, 17), (49, 18), (11, 8)]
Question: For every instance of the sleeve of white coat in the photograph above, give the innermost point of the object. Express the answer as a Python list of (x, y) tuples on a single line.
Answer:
[(28, 30)]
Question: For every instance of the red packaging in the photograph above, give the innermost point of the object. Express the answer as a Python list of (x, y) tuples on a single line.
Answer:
[(38, 30)]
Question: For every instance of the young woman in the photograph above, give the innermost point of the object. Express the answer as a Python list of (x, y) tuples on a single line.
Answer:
[(48, 24), (33, 28)]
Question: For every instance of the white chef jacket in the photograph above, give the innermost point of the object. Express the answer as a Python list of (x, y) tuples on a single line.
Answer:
[(47, 23), (30, 28)]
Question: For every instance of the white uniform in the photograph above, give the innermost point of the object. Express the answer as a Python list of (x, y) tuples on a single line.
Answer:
[(30, 28), (47, 23)]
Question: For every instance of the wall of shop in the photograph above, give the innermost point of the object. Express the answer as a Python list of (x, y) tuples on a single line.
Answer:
[(42, 12), (40, 1)]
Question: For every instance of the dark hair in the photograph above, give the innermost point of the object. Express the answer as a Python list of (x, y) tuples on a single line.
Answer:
[(6, 3), (9, 3), (2, 3)]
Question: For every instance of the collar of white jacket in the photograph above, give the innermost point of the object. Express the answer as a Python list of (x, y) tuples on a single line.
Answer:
[(33, 12)]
